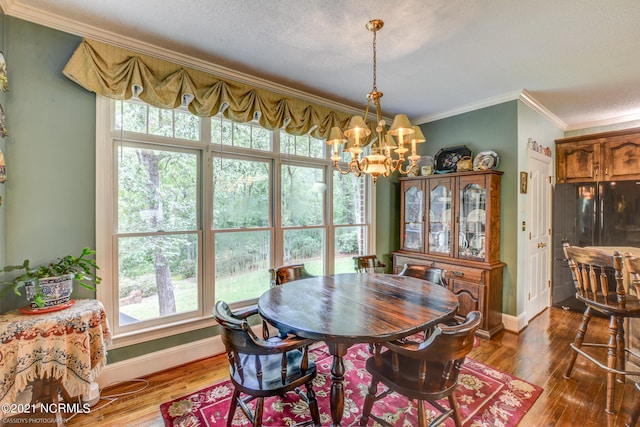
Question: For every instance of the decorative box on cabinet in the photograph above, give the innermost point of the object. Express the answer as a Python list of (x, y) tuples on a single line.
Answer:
[(608, 156), (452, 222)]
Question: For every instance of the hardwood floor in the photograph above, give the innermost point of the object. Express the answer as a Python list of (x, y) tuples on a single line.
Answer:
[(538, 354)]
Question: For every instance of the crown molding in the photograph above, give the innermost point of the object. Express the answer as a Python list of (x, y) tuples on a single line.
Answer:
[(511, 96), (607, 122), (57, 22), (521, 95), (538, 107)]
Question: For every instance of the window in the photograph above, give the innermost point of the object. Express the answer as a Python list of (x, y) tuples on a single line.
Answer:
[(193, 210)]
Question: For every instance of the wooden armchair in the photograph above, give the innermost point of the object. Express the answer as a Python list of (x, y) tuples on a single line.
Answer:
[(425, 272), (367, 264), (279, 276), (599, 283), (260, 368), (288, 273), (425, 371)]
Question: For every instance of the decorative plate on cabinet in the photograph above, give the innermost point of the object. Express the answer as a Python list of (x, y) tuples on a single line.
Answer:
[(486, 160), (477, 215), (447, 158)]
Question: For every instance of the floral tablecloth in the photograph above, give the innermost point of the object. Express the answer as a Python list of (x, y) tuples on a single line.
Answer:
[(68, 345)]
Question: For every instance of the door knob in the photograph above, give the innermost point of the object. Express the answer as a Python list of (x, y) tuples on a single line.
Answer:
[(542, 245)]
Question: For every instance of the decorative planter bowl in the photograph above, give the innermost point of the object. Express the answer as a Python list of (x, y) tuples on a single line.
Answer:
[(56, 291)]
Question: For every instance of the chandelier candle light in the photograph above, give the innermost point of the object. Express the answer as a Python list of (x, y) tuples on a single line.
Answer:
[(380, 161)]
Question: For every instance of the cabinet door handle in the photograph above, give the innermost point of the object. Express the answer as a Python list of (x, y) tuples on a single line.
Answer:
[(457, 273)]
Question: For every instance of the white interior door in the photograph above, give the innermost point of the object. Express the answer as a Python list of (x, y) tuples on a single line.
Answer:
[(538, 257)]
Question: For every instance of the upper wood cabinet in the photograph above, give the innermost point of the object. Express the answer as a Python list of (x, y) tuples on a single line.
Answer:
[(622, 158), (610, 156)]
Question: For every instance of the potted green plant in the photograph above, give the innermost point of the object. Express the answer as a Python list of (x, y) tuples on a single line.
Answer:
[(51, 284)]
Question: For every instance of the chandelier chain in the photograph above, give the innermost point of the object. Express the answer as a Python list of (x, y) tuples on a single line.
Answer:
[(379, 162), (375, 88)]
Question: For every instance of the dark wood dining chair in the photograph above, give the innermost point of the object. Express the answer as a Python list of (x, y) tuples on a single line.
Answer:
[(425, 371), (288, 273), (279, 276), (431, 274), (599, 282), (367, 264), (425, 272), (260, 368)]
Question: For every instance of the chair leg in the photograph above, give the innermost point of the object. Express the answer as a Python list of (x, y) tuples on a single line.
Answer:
[(577, 342), (620, 349), (233, 405), (611, 364), (257, 417), (368, 402), (313, 404), (453, 404), (422, 414)]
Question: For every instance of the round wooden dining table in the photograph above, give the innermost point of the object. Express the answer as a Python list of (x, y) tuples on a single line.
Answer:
[(346, 309)]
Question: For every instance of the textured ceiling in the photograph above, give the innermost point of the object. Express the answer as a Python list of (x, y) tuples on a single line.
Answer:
[(577, 59)]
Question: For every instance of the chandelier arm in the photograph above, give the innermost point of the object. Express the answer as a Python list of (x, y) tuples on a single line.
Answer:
[(410, 167), (388, 167), (397, 163), (339, 169), (358, 166)]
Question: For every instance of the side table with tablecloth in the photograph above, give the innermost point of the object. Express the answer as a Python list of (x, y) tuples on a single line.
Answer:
[(69, 346)]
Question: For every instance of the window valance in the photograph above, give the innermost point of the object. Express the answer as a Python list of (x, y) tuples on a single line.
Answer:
[(119, 73)]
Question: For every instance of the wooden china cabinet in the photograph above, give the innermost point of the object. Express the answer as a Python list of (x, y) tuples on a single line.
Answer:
[(452, 221)]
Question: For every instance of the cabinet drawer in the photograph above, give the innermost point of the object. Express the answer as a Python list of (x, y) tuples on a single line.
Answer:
[(472, 289), (456, 272)]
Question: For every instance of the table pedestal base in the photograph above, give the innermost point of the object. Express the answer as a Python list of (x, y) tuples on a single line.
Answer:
[(336, 398)]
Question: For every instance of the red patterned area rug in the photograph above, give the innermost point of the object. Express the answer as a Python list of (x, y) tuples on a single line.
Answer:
[(487, 397)]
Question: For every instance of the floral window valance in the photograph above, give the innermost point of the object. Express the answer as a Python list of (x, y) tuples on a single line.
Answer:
[(119, 73)]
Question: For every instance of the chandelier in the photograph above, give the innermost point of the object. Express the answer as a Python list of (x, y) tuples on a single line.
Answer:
[(357, 136)]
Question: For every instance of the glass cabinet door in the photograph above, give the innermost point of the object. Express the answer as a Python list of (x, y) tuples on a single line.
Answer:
[(440, 217), (473, 221), (413, 218)]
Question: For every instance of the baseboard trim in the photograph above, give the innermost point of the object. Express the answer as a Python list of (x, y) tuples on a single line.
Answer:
[(141, 366), (514, 323)]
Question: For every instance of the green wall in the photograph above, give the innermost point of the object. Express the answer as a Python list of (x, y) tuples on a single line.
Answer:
[(491, 128), (49, 194), (387, 218)]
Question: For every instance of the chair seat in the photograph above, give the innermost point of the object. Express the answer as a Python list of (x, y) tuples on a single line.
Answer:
[(407, 381), (271, 374), (630, 309)]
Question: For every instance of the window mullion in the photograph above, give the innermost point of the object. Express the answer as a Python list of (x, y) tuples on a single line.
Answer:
[(247, 147)]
